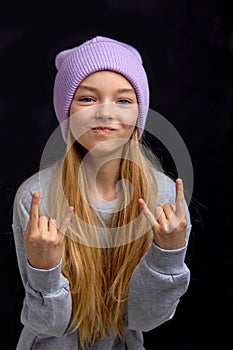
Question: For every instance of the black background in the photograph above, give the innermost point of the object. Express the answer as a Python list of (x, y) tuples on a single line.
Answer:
[(187, 51)]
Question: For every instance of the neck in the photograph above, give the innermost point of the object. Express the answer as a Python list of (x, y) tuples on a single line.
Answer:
[(104, 179)]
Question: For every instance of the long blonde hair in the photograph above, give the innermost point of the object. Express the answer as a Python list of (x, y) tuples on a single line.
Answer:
[(99, 273)]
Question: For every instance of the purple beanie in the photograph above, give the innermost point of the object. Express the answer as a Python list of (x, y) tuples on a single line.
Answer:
[(99, 53)]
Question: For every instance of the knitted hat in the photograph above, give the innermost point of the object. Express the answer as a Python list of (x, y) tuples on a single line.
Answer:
[(98, 53)]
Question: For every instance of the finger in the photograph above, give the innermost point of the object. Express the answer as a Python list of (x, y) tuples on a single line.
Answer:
[(148, 214), (43, 223), (34, 211), (65, 222), (159, 213), (171, 218), (52, 225), (168, 210), (180, 200)]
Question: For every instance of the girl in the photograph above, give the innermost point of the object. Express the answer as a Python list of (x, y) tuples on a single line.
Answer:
[(101, 234)]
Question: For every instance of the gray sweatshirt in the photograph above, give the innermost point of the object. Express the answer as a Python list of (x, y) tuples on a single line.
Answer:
[(156, 286)]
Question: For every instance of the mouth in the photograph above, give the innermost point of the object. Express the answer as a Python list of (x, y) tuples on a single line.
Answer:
[(103, 129)]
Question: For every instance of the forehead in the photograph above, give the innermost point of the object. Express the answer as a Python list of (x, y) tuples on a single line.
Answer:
[(107, 77)]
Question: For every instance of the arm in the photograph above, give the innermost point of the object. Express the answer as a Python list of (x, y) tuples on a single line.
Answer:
[(47, 305), (162, 277), (156, 286)]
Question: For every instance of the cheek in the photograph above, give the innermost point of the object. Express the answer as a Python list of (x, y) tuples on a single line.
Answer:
[(74, 108), (129, 116), (78, 123)]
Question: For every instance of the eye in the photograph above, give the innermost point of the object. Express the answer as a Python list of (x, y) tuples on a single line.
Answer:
[(86, 99), (123, 101)]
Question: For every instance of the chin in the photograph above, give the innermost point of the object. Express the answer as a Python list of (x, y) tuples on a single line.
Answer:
[(107, 147)]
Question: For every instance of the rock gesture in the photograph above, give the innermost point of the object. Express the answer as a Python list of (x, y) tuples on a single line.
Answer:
[(168, 221), (43, 241)]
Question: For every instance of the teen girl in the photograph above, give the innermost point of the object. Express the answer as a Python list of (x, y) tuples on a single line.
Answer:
[(101, 234)]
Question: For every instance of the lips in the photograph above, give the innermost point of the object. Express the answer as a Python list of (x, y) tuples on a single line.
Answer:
[(103, 130), (103, 127)]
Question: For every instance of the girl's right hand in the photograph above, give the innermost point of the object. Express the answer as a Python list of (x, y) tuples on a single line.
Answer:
[(43, 241)]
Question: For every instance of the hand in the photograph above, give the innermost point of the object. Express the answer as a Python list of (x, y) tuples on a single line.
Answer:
[(169, 222), (43, 241)]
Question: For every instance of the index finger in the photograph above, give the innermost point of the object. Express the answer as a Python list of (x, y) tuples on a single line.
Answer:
[(180, 200), (34, 210), (66, 220)]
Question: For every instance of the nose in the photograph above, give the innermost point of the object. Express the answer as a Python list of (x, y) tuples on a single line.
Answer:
[(105, 112)]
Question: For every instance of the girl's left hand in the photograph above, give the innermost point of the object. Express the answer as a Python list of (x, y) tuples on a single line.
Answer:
[(169, 222)]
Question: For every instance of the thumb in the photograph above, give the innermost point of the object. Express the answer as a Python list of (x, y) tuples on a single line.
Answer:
[(66, 220), (148, 214)]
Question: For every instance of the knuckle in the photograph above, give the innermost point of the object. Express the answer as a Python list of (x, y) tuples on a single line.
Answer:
[(31, 238), (43, 237), (52, 240)]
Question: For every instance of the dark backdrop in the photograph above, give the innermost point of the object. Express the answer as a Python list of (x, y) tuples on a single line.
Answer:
[(187, 50)]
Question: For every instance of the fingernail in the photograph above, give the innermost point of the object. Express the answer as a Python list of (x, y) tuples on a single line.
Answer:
[(71, 211), (179, 182), (140, 202)]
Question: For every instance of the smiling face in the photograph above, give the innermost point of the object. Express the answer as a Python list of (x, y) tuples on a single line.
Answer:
[(104, 108)]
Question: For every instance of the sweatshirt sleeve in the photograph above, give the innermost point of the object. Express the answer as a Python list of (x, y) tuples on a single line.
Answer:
[(156, 286), (161, 278), (47, 304)]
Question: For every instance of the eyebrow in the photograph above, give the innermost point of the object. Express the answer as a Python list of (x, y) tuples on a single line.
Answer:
[(92, 88)]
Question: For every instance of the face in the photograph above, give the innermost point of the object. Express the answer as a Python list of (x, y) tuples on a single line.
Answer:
[(104, 111)]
